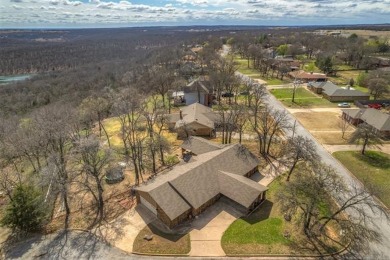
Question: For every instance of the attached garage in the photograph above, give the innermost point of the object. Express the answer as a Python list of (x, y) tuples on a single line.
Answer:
[(148, 205)]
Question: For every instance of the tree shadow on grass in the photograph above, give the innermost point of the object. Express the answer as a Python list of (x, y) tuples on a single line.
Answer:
[(260, 214), (374, 159)]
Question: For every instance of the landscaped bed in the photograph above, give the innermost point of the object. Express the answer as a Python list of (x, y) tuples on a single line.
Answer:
[(372, 169), (161, 243)]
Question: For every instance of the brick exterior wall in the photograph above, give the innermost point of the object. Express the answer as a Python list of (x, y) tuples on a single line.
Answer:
[(345, 98), (202, 208)]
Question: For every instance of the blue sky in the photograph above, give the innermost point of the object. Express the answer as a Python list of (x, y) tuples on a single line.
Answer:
[(115, 13)]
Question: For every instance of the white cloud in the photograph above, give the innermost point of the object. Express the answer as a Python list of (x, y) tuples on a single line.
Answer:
[(100, 12)]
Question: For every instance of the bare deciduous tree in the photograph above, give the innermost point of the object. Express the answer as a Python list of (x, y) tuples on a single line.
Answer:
[(304, 196), (366, 135), (93, 160), (299, 149)]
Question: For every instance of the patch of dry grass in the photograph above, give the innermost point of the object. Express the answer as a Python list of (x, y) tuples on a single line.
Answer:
[(162, 243), (325, 126)]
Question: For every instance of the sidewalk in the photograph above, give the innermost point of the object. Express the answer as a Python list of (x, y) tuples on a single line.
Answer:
[(385, 148)]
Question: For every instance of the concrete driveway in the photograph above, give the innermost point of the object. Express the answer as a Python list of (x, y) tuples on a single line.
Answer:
[(208, 228), (122, 232)]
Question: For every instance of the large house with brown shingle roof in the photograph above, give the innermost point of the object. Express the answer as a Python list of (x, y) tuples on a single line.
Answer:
[(334, 93), (304, 76), (378, 120), (195, 119), (211, 171)]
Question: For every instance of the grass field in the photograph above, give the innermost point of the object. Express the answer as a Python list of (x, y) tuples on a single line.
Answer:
[(303, 98), (162, 243), (373, 168), (368, 33)]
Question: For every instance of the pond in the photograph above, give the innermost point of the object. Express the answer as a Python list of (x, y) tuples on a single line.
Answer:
[(10, 79)]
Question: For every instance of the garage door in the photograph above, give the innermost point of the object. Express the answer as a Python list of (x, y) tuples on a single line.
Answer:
[(148, 205)]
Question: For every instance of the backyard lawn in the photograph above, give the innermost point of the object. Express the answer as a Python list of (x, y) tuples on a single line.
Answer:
[(373, 168), (162, 243), (303, 98)]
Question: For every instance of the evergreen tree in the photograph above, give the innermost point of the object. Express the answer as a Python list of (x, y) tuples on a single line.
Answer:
[(25, 212)]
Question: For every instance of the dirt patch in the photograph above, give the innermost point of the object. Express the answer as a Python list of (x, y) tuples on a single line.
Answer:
[(325, 126), (160, 242)]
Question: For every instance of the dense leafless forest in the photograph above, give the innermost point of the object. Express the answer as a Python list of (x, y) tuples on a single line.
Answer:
[(72, 64)]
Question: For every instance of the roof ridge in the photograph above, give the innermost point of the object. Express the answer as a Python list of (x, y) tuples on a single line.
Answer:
[(181, 196)]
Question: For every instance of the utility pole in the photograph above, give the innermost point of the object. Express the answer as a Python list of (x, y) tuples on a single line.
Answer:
[(295, 84)]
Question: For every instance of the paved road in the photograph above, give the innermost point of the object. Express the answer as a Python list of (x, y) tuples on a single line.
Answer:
[(378, 250), (77, 245)]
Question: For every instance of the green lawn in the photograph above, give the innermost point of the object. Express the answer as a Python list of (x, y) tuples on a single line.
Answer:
[(162, 243), (282, 93), (373, 168), (303, 98), (259, 233)]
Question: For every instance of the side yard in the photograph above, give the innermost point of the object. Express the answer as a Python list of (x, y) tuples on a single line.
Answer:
[(325, 126), (303, 98), (266, 231), (372, 169)]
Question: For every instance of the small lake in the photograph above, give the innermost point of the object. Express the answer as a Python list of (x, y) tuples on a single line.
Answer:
[(10, 79)]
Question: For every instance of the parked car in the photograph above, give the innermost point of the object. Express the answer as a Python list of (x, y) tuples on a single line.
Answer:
[(376, 106), (344, 104)]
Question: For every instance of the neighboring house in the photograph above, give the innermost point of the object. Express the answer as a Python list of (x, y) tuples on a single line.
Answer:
[(198, 91), (192, 186), (303, 76), (195, 119), (289, 62), (178, 97), (378, 120), (336, 94)]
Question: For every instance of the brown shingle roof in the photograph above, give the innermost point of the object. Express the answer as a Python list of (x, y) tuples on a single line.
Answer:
[(305, 75), (354, 113), (332, 90), (371, 116), (239, 188), (199, 181), (199, 145), (196, 113), (376, 119), (173, 210)]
